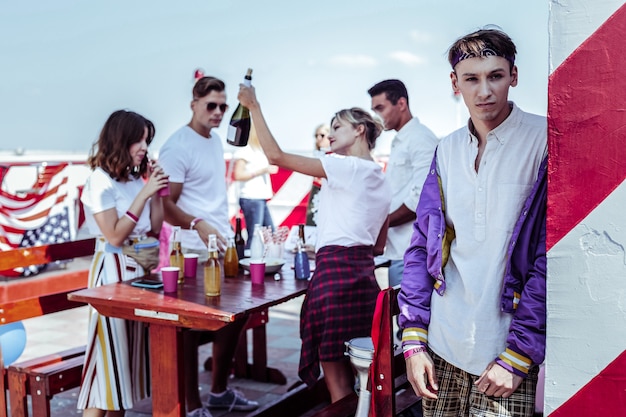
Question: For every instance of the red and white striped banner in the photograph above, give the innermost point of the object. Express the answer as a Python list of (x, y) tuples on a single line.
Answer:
[(586, 227)]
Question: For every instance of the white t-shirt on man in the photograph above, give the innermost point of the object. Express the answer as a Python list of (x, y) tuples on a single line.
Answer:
[(198, 163), (412, 152)]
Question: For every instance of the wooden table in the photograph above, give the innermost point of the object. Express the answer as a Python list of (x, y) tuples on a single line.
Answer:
[(168, 314)]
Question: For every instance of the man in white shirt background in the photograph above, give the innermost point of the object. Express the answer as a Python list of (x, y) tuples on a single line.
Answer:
[(411, 154)]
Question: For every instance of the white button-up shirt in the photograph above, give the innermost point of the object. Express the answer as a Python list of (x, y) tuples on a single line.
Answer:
[(411, 154), (467, 328)]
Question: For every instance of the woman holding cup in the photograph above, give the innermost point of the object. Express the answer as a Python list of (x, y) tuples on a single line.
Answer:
[(123, 210)]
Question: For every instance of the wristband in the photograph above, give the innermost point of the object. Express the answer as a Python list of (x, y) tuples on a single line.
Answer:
[(132, 217), (415, 350), (194, 222)]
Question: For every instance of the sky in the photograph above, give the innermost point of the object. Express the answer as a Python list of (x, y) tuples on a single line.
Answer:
[(66, 65)]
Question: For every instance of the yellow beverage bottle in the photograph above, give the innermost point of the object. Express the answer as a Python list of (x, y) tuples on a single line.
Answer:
[(231, 259), (212, 271), (176, 254)]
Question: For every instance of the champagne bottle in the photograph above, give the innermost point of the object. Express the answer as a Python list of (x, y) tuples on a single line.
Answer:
[(239, 128), (240, 243)]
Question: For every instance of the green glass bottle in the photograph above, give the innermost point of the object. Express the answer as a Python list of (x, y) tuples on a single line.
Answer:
[(239, 128)]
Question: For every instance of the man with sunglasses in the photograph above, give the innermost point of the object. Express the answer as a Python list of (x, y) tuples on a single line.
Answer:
[(194, 159)]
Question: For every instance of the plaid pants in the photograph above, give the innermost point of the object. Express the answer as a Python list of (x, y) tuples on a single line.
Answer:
[(459, 397)]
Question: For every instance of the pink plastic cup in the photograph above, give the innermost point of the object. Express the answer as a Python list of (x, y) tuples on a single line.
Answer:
[(190, 265), (165, 191), (169, 275), (257, 272)]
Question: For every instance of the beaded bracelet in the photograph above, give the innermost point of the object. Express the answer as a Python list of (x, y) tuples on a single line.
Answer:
[(132, 217), (194, 222), (414, 350)]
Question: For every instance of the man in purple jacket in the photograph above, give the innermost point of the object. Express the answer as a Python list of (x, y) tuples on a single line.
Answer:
[(473, 301)]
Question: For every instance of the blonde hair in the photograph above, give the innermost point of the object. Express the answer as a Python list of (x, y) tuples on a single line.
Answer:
[(356, 116), (253, 139)]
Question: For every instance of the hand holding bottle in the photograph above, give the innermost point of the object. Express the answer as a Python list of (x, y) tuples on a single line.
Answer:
[(247, 96), (204, 229)]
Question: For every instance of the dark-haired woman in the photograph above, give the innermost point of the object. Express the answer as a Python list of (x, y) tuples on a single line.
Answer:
[(122, 208)]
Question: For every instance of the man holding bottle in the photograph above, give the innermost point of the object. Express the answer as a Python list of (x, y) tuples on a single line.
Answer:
[(194, 156), (411, 153)]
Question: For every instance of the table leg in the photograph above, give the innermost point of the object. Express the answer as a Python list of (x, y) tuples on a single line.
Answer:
[(259, 369), (166, 357)]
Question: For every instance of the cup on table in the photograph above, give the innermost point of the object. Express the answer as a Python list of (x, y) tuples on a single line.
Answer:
[(275, 250), (190, 265), (257, 271), (165, 191), (169, 275)]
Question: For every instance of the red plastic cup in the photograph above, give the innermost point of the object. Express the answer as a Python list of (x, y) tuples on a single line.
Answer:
[(257, 272), (169, 275), (165, 191), (190, 265)]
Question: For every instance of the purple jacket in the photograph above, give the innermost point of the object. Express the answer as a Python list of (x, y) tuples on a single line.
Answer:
[(524, 285)]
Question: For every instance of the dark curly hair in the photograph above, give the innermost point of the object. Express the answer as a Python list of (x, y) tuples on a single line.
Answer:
[(110, 152)]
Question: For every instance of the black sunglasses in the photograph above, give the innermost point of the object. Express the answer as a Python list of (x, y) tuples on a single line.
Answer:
[(210, 106)]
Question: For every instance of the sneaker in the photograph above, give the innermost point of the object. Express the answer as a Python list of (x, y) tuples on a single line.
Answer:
[(200, 412), (232, 400)]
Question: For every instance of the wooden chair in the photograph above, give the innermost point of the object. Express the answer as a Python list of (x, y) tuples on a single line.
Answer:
[(392, 394)]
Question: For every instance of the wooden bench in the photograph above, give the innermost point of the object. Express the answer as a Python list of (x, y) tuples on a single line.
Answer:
[(23, 298)]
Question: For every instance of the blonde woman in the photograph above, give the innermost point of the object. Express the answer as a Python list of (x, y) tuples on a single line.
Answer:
[(352, 228)]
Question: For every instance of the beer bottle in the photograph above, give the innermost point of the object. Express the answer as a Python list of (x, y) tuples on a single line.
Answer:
[(240, 243), (231, 260), (176, 254), (212, 271), (301, 234)]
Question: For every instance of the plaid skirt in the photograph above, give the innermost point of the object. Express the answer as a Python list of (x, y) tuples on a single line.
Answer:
[(339, 306)]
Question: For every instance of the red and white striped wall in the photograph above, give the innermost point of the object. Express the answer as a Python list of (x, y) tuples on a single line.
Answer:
[(586, 242)]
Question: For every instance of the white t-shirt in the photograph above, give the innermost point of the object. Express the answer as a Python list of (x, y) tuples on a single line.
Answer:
[(260, 186), (467, 328), (198, 164), (101, 192), (412, 152), (353, 202)]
